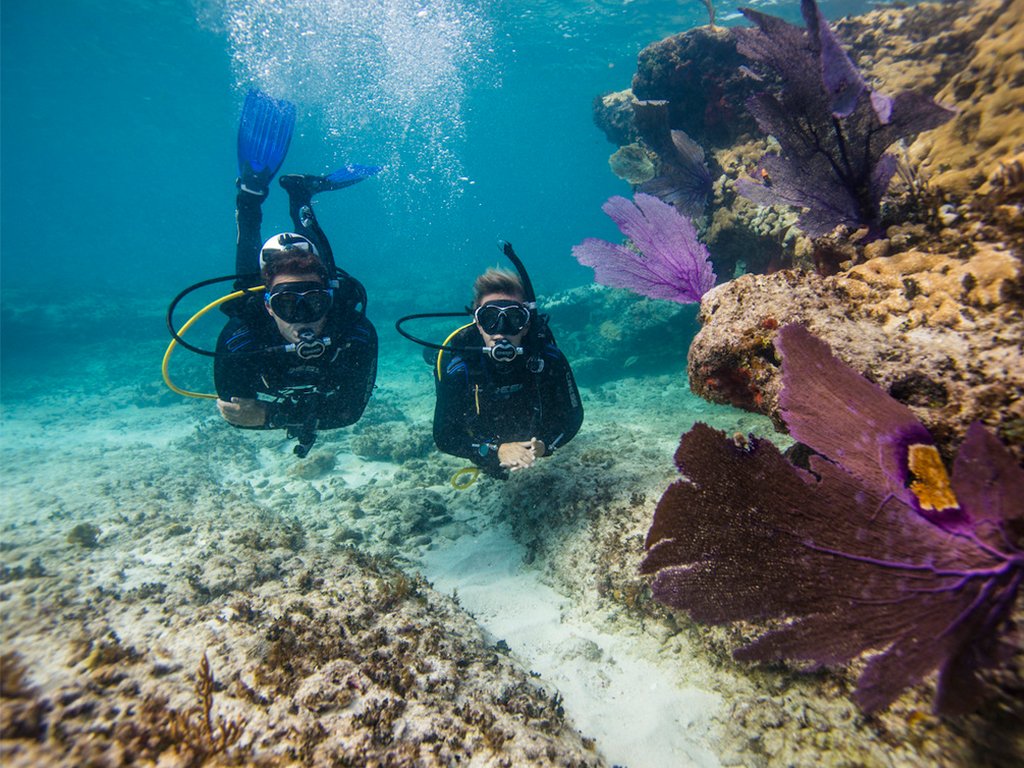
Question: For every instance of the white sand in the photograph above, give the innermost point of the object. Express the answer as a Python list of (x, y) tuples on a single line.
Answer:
[(614, 693)]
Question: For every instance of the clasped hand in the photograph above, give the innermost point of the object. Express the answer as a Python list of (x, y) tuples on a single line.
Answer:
[(516, 456), (243, 411)]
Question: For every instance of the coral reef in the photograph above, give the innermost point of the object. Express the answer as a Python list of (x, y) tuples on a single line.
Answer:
[(832, 129), (327, 655), (348, 662), (585, 529), (395, 441), (611, 333), (963, 156), (682, 177), (613, 114), (699, 73), (196, 729), (959, 53), (22, 713)]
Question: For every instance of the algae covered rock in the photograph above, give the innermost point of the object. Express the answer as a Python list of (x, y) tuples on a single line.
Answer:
[(84, 535), (395, 441), (940, 332), (610, 333), (699, 73)]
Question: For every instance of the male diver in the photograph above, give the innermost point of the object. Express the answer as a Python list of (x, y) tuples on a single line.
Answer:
[(506, 395), (301, 354)]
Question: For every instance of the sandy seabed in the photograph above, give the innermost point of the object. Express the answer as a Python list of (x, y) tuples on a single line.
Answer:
[(178, 592)]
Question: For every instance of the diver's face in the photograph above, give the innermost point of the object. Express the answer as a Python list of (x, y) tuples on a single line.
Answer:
[(291, 331), (491, 340)]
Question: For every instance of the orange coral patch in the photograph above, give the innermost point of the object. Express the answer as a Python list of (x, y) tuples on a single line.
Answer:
[(930, 481)]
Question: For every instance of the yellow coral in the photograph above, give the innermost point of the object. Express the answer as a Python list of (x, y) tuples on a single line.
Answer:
[(988, 95), (934, 289)]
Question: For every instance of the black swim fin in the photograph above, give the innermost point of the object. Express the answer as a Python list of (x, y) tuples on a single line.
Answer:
[(264, 133)]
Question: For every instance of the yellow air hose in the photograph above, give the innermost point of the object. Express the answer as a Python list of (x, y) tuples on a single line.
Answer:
[(445, 344), (459, 480), (185, 327)]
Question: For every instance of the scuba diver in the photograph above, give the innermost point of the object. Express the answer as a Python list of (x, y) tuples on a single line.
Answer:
[(506, 395), (297, 352)]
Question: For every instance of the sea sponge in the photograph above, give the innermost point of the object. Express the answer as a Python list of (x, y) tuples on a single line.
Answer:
[(633, 163)]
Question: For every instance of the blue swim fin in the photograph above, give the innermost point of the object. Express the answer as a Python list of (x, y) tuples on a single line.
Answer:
[(305, 186), (264, 133), (350, 174)]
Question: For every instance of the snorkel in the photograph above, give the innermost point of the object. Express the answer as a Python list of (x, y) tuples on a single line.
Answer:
[(503, 350)]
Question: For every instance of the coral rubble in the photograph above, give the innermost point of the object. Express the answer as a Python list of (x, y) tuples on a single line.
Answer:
[(223, 623)]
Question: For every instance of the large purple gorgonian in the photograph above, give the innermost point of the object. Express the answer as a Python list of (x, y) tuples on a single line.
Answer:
[(833, 130), (668, 261), (874, 549)]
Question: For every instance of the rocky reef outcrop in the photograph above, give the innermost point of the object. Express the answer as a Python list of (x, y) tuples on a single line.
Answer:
[(964, 55), (940, 333), (933, 309), (609, 333)]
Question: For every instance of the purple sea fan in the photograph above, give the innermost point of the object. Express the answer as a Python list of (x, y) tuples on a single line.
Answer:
[(850, 555), (685, 181), (669, 261), (832, 129)]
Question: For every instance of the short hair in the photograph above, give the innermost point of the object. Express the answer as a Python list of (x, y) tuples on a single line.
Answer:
[(293, 262), (497, 281)]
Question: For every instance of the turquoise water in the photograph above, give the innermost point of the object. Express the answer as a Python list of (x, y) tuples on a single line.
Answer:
[(119, 128), (117, 190)]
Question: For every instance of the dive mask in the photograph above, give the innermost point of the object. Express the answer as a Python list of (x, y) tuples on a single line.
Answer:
[(300, 302), (502, 317)]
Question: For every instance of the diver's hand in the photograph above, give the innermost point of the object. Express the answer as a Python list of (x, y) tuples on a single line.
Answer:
[(243, 411), (516, 456)]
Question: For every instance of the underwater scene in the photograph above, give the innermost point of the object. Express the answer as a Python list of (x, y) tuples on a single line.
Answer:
[(500, 383)]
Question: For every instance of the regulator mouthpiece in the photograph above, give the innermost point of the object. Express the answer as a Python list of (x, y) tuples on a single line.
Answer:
[(309, 346), (503, 351)]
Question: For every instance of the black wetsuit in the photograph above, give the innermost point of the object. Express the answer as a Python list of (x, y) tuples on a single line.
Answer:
[(327, 392), (324, 393), (481, 403)]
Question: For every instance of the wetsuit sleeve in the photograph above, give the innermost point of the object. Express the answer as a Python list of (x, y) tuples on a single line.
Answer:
[(563, 409), (236, 375), (454, 415), (352, 377)]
